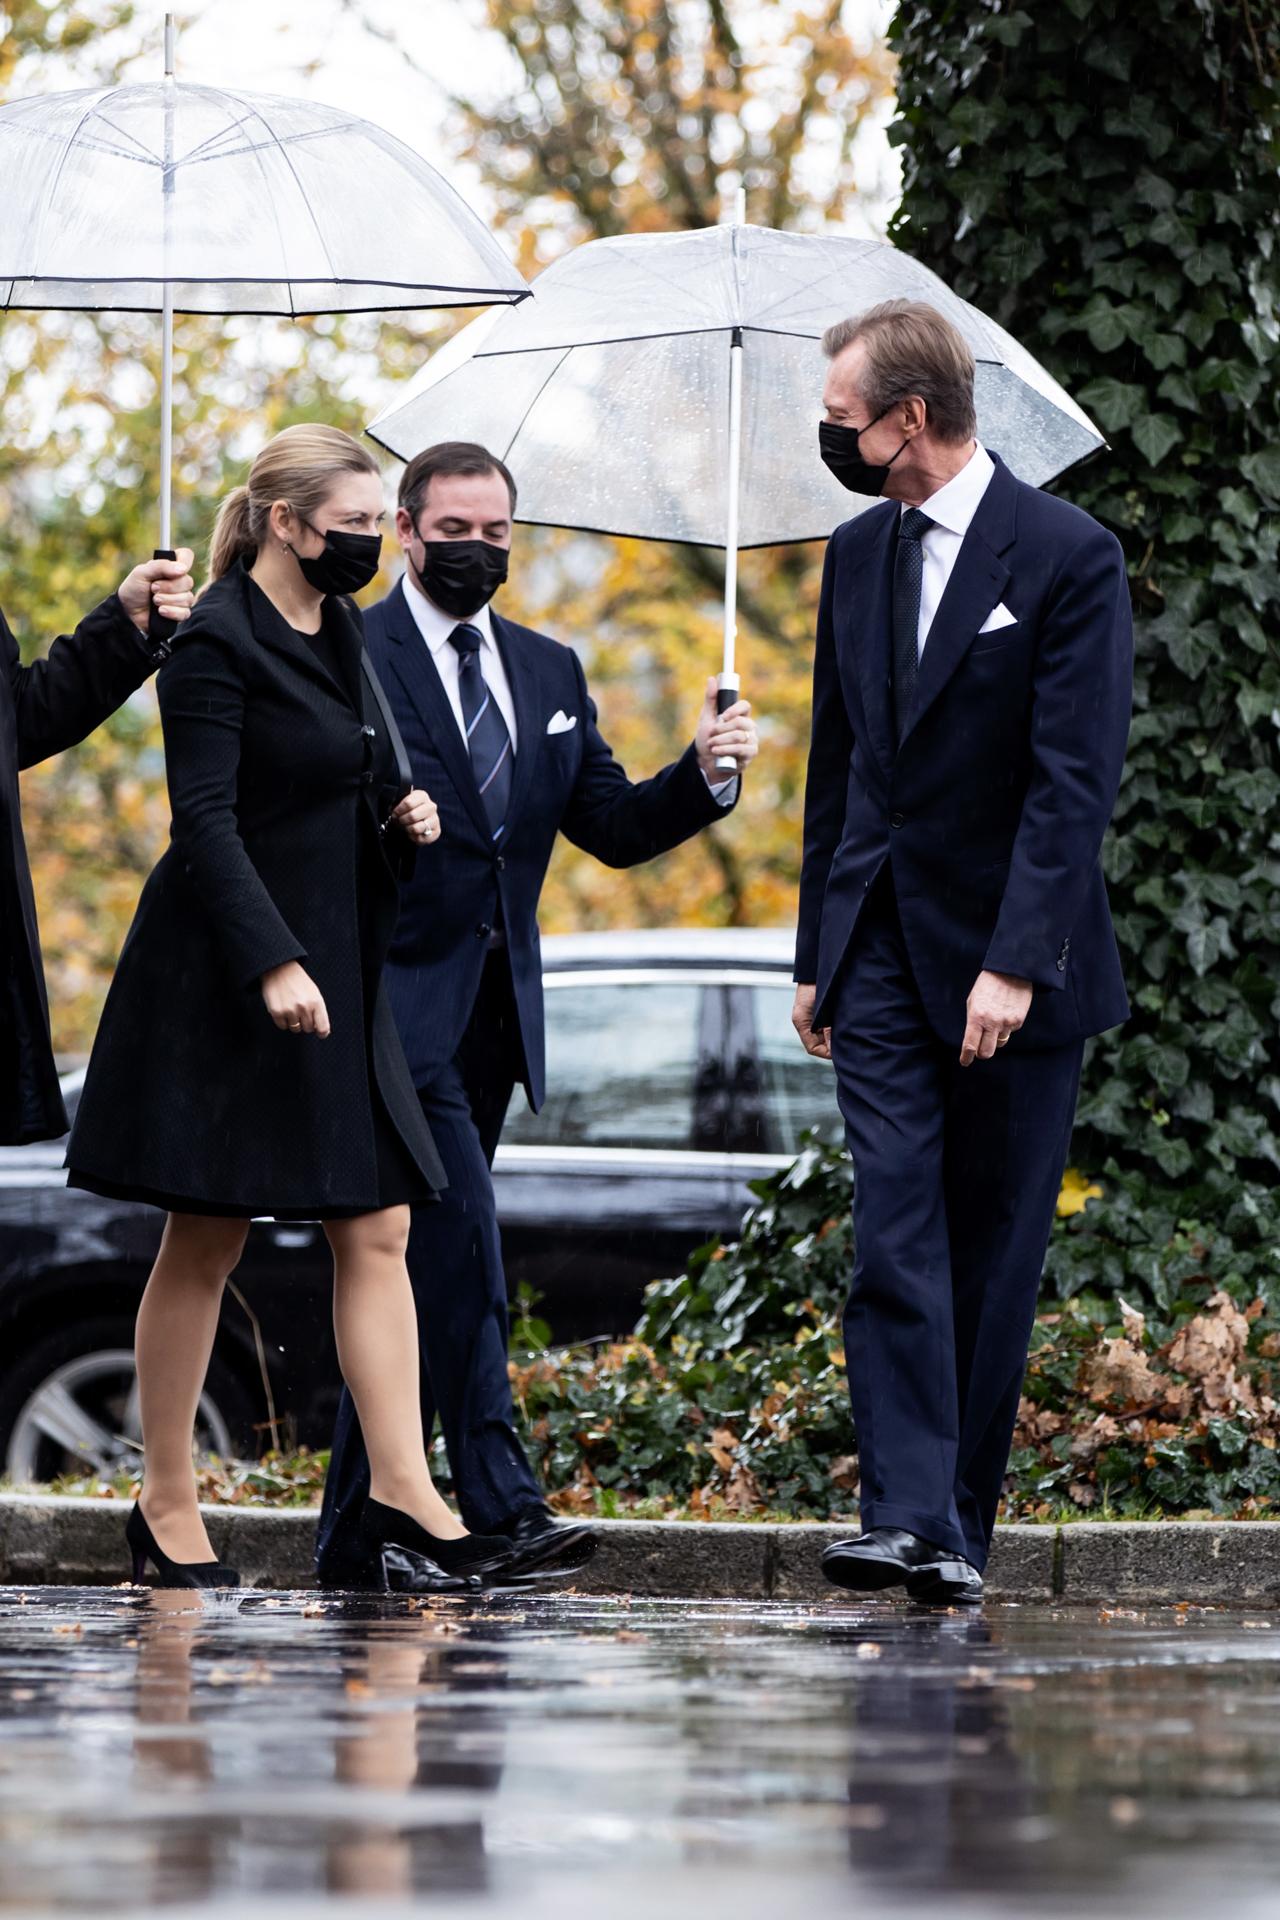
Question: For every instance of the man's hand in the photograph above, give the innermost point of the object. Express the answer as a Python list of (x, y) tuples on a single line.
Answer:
[(418, 816), (997, 1007), (723, 736), (166, 582), (294, 1001), (818, 1042)]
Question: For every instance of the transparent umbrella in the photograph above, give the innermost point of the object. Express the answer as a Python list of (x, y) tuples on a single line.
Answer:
[(168, 197), (666, 386)]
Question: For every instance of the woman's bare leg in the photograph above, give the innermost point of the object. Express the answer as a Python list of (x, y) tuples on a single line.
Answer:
[(177, 1322), (376, 1326)]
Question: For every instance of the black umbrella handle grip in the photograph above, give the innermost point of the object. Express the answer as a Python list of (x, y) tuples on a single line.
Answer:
[(160, 631), (728, 694)]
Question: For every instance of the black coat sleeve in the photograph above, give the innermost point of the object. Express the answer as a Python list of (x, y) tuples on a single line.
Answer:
[(1082, 698), (82, 679), (827, 781), (623, 822), (202, 705)]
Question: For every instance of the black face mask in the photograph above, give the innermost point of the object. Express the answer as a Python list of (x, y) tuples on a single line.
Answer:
[(839, 449), (460, 576), (349, 561)]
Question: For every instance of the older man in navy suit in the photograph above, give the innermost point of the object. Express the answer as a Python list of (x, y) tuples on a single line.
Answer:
[(972, 693), (501, 731)]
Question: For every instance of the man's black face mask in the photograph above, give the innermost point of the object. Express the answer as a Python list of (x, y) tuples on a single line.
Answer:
[(840, 451), (460, 576)]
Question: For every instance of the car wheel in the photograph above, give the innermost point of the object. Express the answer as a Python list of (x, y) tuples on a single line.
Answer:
[(70, 1405)]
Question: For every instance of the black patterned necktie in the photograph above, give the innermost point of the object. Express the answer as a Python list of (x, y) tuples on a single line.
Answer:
[(488, 740), (908, 571)]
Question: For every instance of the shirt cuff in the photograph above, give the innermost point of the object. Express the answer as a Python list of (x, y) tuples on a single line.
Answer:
[(723, 792)]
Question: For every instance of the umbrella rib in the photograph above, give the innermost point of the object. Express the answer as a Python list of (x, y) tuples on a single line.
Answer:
[(551, 374), (334, 278), (57, 175)]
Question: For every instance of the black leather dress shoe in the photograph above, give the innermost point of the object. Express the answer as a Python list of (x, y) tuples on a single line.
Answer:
[(890, 1557), (544, 1548), (952, 1583)]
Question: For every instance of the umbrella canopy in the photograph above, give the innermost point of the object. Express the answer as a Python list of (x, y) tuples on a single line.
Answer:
[(166, 197), (610, 393), (235, 202)]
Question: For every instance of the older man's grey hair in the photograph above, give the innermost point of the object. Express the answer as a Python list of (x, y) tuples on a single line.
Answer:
[(912, 350)]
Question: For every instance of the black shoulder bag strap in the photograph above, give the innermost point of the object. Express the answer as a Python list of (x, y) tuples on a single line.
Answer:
[(404, 772)]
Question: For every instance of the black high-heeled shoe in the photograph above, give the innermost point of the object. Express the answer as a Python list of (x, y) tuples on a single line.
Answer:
[(415, 1561), (144, 1546)]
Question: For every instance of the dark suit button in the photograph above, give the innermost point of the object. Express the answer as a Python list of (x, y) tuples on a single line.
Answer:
[(483, 930), (366, 779), (897, 819), (501, 862)]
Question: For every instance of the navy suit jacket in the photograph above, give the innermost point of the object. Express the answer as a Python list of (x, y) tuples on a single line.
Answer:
[(992, 811), (566, 782)]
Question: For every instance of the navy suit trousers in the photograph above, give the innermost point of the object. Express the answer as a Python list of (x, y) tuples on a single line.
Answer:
[(956, 1176), (455, 1265)]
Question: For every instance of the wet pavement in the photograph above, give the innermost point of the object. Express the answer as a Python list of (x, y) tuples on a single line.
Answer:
[(298, 1755)]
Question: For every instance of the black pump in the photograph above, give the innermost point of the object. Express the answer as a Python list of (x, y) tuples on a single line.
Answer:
[(415, 1561), (144, 1546)]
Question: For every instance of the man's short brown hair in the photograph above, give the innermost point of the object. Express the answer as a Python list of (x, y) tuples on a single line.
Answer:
[(912, 350), (464, 457)]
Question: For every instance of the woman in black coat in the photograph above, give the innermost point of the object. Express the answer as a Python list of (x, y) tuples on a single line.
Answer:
[(247, 1062), (45, 707)]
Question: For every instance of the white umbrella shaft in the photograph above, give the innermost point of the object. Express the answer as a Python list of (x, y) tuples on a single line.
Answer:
[(166, 322), (166, 424), (730, 683)]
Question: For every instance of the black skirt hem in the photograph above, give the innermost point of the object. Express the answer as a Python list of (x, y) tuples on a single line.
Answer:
[(242, 1210)]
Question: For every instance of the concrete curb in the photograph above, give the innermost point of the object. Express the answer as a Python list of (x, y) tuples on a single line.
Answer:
[(48, 1541)]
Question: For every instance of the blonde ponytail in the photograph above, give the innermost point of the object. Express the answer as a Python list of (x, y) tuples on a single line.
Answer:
[(232, 536), (300, 466)]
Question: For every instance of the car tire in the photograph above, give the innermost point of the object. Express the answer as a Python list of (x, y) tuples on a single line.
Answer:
[(78, 1379)]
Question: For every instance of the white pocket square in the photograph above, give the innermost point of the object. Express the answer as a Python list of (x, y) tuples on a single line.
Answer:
[(562, 722), (998, 617)]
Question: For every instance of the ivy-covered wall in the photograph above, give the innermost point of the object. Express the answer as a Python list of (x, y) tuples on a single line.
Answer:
[(1104, 182)]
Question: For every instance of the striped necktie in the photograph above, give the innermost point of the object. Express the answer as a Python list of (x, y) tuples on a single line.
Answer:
[(488, 740), (908, 577)]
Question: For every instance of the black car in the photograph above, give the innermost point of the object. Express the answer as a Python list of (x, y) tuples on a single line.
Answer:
[(674, 1078)]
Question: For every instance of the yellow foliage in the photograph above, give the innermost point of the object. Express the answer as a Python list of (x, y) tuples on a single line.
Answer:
[(1077, 1191)]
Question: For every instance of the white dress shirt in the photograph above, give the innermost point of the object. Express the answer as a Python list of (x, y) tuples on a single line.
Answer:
[(951, 509), (435, 628)]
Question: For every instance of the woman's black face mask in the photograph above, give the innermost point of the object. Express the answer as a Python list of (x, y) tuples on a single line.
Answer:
[(349, 561), (840, 451), (460, 576)]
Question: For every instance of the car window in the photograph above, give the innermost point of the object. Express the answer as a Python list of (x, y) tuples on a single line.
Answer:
[(798, 1092), (627, 1066)]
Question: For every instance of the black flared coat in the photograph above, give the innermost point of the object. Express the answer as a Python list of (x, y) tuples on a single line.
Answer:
[(45, 707), (279, 780)]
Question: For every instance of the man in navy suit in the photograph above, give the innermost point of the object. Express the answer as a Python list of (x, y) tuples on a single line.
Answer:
[(501, 731), (972, 693)]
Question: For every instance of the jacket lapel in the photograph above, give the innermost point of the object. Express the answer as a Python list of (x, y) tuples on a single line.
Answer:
[(977, 581), (415, 670), (523, 681), (281, 638), (864, 615)]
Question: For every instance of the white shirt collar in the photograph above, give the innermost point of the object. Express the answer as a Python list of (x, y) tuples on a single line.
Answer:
[(435, 625), (954, 505)]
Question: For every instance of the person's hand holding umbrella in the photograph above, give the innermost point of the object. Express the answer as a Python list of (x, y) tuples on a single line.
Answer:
[(165, 585), (725, 740)]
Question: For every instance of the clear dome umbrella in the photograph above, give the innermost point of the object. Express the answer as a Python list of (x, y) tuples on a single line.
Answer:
[(168, 197), (667, 387)]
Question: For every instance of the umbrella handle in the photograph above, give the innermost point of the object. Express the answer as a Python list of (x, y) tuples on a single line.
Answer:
[(160, 631), (728, 693)]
